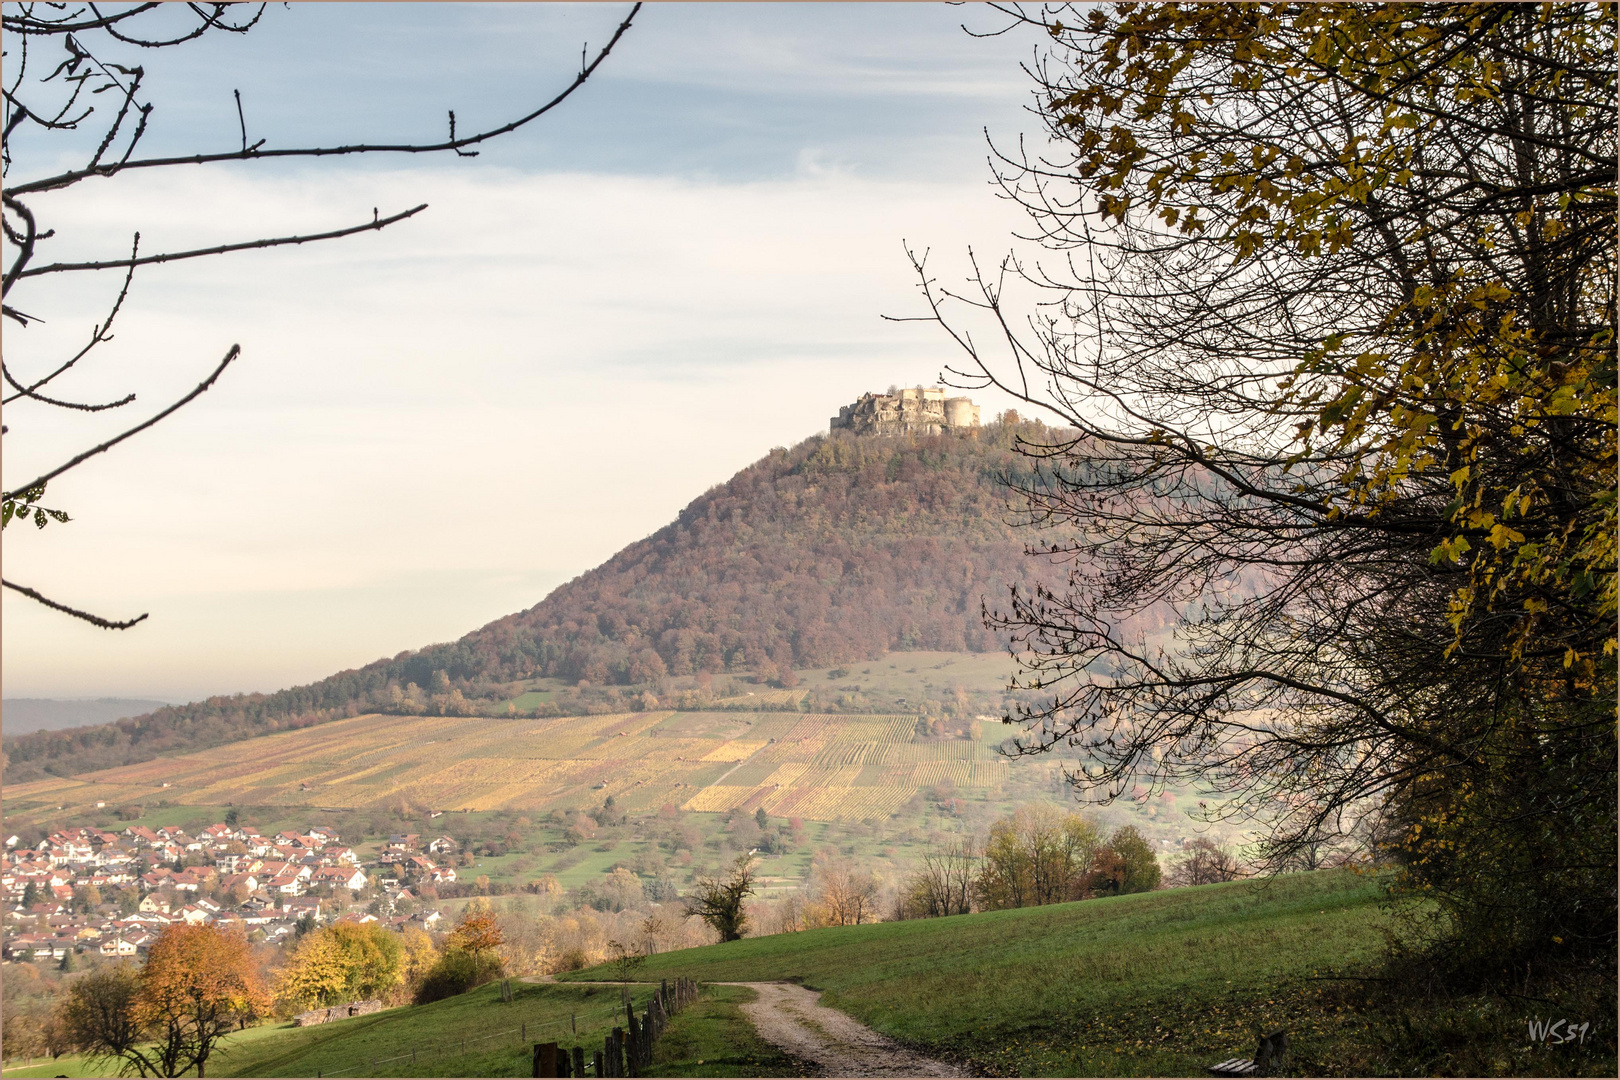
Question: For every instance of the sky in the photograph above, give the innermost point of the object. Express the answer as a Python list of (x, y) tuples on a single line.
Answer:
[(597, 319)]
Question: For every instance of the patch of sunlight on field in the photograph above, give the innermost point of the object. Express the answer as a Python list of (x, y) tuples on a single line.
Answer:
[(736, 750)]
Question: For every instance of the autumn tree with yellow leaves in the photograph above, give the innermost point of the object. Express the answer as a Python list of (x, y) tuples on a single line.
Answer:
[(343, 962), (1327, 292)]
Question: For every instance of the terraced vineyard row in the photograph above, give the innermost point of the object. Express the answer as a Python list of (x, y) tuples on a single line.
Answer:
[(813, 766)]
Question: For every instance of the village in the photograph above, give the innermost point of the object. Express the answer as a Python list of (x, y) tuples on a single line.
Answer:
[(83, 891)]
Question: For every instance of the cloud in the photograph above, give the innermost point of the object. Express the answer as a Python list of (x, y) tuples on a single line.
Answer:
[(433, 425)]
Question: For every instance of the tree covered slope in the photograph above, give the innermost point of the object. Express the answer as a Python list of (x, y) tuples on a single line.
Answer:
[(837, 550)]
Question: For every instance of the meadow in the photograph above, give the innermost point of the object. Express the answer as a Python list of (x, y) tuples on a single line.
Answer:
[(474, 1034), (1155, 984), (1160, 983)]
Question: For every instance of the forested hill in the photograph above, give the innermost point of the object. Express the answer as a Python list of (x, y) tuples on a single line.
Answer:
[(837, 550)]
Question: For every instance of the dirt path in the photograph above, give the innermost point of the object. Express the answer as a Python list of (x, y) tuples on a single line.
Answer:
[(793, 1018)]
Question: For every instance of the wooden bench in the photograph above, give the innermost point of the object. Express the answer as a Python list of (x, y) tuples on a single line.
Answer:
[(1268, 1056)]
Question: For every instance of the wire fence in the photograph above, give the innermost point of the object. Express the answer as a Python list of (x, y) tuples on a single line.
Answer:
[(525, 1033)]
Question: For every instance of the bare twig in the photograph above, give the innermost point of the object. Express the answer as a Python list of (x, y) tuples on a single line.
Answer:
[(66, 179), (220, 249), (23, 391), (93, 620), (98, 334), (235, 351)]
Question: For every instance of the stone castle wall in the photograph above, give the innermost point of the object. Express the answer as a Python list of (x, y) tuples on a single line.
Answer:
[(913, 411), (337, 1012)]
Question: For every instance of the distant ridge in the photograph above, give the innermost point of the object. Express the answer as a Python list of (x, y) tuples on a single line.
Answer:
[(840, 549), (19, 716)]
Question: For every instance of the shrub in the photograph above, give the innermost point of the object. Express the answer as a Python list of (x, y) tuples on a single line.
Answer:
[(457, 972)]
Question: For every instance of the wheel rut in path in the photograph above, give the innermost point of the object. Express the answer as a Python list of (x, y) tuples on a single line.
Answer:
[(793, 1019)]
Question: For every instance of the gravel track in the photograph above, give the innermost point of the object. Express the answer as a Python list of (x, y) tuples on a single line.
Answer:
[(793, 1019)]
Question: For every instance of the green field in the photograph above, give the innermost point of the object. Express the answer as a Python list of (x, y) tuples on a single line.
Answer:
[(709, 1038), (1162, 983), (475, 1034)]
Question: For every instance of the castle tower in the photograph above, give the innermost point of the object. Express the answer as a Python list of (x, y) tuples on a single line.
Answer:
[(960, 412)]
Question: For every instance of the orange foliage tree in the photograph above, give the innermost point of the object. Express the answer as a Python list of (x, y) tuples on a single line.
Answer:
[(478, 932), (198, 984)]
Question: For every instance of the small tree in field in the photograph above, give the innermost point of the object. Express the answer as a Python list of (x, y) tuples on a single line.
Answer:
[(1204, 862), (478, 932), (98, 1012), (1126, 865), (720, 904), (625, 959)]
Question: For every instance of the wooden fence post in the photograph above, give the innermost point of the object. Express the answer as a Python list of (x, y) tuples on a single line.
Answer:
[(598, 1060), (545, 1059)]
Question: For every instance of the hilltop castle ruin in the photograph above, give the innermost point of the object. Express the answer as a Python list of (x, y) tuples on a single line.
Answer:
[(913, 411)]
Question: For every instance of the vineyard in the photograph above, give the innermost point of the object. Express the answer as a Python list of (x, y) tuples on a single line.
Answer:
[(845, 767), (820, 767)]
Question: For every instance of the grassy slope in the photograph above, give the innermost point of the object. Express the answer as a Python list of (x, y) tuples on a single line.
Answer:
[(495, 1044), (492, 1030), (1166, 983), (709, 1038), (1161, 983), (83, 1065)]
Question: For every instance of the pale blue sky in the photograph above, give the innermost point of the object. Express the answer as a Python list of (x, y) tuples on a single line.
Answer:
[(596, 320)]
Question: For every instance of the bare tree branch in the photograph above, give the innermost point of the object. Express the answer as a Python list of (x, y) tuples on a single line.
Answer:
[(248, 245), (200, 388), (93, 620), (73, 84), (98, 334), (71, 177)]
